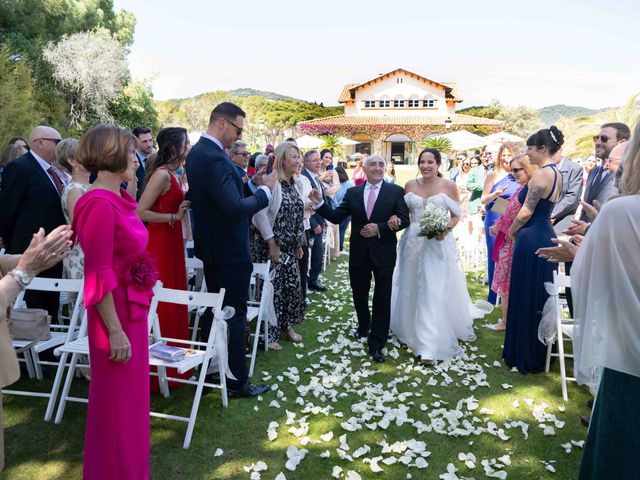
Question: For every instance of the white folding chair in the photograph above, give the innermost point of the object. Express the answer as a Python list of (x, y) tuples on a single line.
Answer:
[(80, 346), (59, 335), (564, 328), (260, 293), (195, 266), (198, 355)]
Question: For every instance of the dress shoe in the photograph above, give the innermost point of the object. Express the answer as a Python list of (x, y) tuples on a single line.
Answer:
[(357, 334), (317, 287), (378, 356), (248, 390), (585, 419)]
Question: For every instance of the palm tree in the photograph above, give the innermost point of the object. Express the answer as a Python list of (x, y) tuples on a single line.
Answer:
[(332, 142), (442, 144)]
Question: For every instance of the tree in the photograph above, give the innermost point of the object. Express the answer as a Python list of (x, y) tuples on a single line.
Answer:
[(19, 112), (442, 144), (332, 142), (135, 107), (520, 120), (88, 89)]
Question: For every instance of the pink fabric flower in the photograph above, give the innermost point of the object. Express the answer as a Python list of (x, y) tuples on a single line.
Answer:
[(142, 274)]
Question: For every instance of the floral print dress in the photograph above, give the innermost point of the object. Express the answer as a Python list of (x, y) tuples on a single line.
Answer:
[(73, 265)]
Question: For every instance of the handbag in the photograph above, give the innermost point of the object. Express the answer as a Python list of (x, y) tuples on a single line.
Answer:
[(30, 324)]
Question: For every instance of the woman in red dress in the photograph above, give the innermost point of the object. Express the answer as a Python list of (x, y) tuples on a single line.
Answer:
[(162, 207)]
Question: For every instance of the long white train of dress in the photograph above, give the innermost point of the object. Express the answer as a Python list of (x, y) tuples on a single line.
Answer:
[(430, 305)]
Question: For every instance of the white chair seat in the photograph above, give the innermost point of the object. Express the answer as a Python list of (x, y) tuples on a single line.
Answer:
[(79, 346), (57, 338), (252, 312), (190, 361)]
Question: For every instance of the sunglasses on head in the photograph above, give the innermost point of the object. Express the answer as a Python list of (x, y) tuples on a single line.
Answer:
[(602, 138)]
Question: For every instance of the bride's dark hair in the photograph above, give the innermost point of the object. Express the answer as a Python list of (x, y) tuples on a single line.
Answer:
[(436, 155)]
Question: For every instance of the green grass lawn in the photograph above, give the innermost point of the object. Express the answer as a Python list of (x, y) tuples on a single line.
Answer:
[(331, 378)]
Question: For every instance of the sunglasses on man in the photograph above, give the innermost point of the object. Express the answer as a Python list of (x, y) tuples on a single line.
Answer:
[(602, 138)]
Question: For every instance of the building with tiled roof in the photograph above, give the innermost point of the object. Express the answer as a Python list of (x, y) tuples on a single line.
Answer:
[(393, 112)]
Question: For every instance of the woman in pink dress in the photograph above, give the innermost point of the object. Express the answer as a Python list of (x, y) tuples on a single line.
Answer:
[(162, 206), (521, 169), (119, 277)]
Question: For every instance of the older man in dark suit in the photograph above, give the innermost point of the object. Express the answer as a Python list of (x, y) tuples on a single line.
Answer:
[(30, 199), (569, 199), (222, 214), (373, 247)]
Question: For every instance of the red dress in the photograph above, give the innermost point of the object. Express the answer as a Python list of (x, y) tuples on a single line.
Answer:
[(166, 247)]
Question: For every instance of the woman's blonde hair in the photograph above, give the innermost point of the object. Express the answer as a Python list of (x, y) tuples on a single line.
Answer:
[(65, 150), (497, 165), (523, 160), (283, 151), (630, 181)]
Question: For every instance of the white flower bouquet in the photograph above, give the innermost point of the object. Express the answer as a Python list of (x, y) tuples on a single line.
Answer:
[(434, 221)]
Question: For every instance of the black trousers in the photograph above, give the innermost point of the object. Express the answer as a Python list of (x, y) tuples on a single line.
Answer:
[(303, 266), (316, 256), (49, 301), (235, 280), (360, 278)]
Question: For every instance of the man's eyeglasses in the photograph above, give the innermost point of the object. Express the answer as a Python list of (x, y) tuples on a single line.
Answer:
[(603, 138), (238, 129), (244, 154), (516, 170), (54, 140)]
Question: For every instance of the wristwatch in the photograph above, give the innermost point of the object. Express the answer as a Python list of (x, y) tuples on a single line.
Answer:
[(23, 279)]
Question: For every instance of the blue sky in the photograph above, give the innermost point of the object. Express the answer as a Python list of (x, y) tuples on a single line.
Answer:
[(531, 53)]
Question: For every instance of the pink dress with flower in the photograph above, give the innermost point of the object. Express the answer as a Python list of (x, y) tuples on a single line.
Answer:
[(503, 247), (114, 242)]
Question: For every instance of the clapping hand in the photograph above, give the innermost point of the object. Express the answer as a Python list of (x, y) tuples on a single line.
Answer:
[(394, 223), (577, 227), (44, 252), (591, 210), (269, 180), (564, 252), (315, 196)]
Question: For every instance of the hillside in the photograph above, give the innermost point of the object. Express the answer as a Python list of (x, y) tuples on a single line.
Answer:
[(250, 92), (549, 115)]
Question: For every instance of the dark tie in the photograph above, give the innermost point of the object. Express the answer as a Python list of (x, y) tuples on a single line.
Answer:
[(56, 180)]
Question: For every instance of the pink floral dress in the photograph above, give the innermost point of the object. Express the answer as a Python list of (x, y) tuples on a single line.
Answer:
[(503, 247)]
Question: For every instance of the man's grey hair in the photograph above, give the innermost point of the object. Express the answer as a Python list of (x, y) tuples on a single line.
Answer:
[(236, 146), (372, 158), (261, 161), (308, 154)]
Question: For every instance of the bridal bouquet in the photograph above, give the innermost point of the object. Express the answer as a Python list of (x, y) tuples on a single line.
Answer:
[(434, 221)]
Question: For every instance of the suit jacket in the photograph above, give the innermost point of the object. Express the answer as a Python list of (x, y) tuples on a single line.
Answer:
[(315, 219), (598, 188), (28, 201), (382, 249), (141, 174), (221, 212), (569, 200), (246, 190)]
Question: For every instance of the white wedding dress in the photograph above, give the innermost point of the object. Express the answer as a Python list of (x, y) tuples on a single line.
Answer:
[(430, 305)]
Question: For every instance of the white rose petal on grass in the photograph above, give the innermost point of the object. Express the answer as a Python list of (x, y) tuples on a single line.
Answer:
[(516, 404), (506, 386), (352, 475), (280, 476), (389, 460), (506, 459), (260, 467), (325, 454), (550, 468), (361, 451), (274, 404), (451, 473), (326, 437), (255, 476), (561, 408), (336, 472), (421, 463), (373, 465), (578, 443), (219, 452)]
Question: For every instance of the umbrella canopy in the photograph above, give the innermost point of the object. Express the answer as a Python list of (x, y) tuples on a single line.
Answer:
[(463, 140), (347, 141), (307, 141), (503, 137)]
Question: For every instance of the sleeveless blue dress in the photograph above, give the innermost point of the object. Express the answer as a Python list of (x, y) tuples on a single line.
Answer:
[(527, 294), (489, 219)]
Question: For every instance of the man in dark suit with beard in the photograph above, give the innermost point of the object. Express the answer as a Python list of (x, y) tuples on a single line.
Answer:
[(372, 247), (222, 213)]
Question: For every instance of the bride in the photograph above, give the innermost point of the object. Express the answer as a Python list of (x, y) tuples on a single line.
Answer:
[(430, 305)]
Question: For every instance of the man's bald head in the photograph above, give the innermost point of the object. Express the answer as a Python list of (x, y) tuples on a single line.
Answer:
[(43, 141), (615, 157)]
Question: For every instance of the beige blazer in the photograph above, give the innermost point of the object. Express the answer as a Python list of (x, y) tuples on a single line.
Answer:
[(9, 368)]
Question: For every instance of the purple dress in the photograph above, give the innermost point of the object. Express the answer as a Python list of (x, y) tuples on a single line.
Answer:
[(114, 242)]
